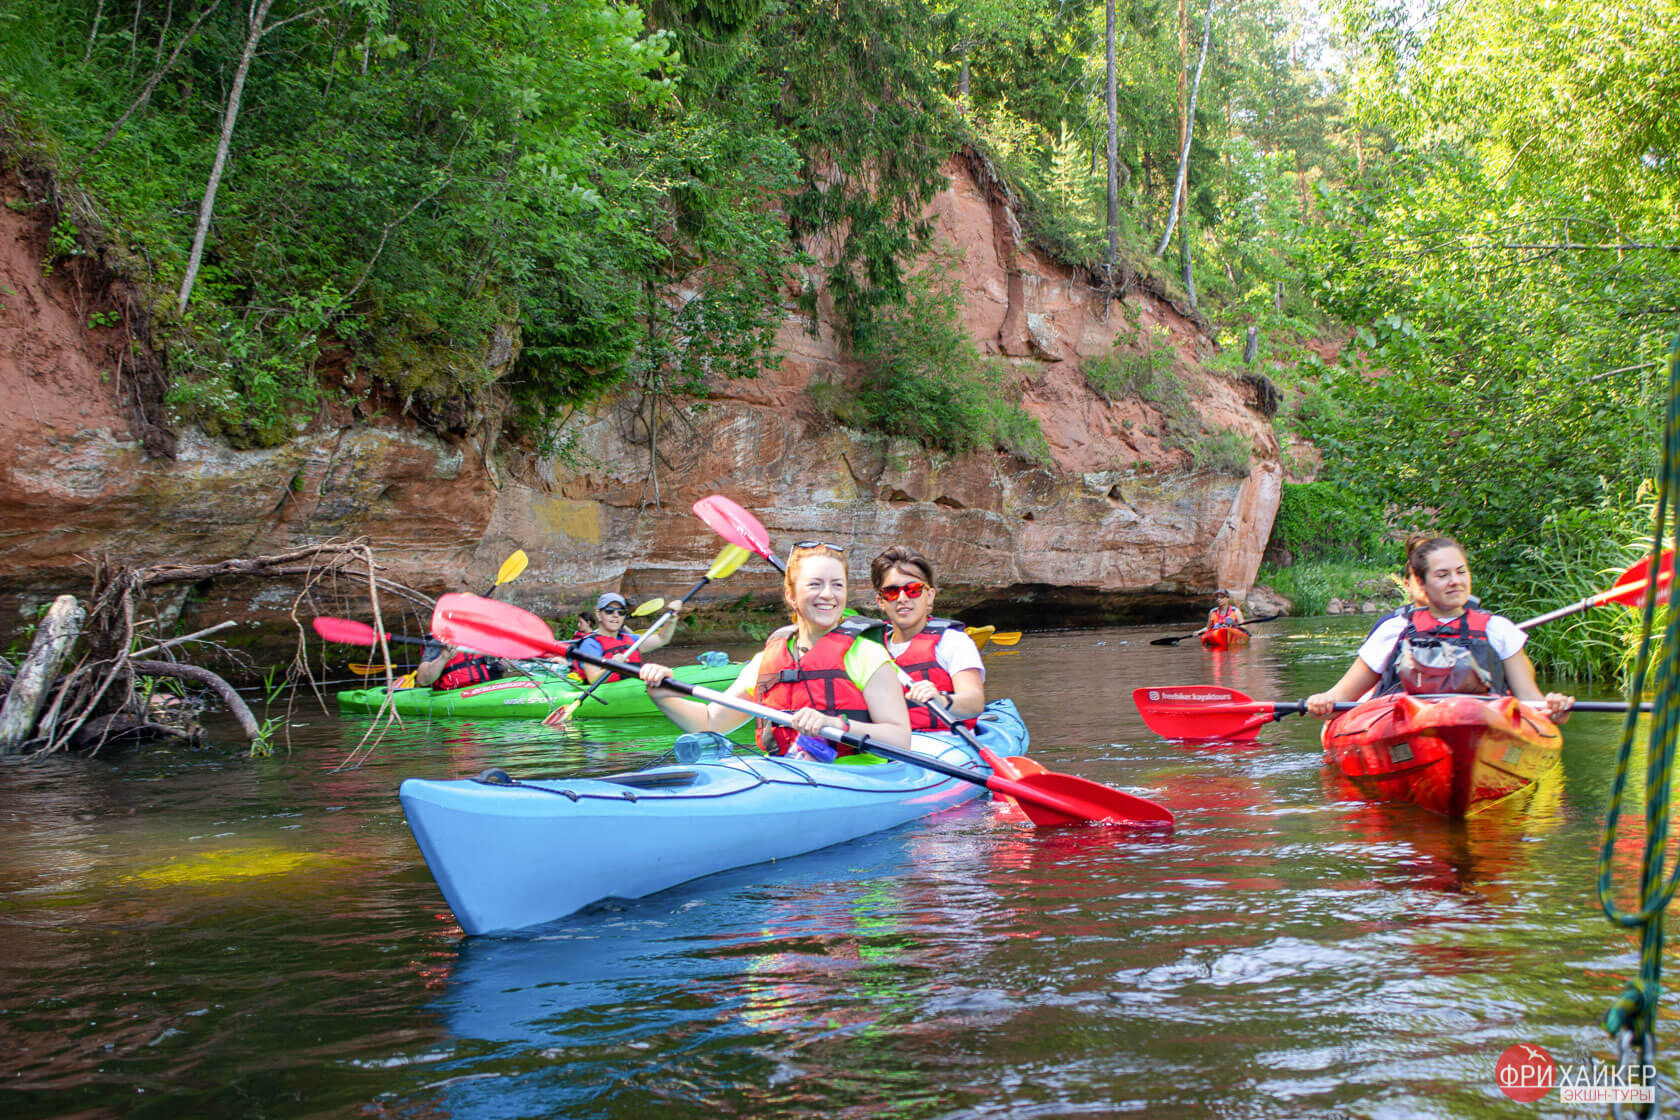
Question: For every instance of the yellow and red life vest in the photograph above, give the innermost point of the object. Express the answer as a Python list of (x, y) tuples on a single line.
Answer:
[(1224, 616), (817, 680)]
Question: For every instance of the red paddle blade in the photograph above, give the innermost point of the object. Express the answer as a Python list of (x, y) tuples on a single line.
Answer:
[(734, 524), (1055, 799), (1014, 767), (498, 629), (1629, 589), (346, 632), (1201, 711)]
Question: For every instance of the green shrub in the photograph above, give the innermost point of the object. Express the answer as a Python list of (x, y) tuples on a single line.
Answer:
[(1324, 521), (924, 380), (1223, 452)]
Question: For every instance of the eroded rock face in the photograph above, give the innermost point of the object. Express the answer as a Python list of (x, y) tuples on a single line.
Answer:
[(1116, 524)]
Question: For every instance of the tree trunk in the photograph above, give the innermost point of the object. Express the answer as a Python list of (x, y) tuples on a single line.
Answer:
[(1251, 345), (57, 633), (98, 14), (259, 14), (1181, 183), (1184, 258), (1113, 148)]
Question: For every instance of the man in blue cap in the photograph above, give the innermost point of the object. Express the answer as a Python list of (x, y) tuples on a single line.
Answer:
[(611, 639)]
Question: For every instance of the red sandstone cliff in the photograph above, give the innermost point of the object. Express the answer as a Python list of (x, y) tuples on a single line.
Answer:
[(1117, 522)]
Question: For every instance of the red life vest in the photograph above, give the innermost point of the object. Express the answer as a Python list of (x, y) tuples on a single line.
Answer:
[(817, 680), (1435, 656), (919, 664), (616, 648), (1224, 616), (464, 669)]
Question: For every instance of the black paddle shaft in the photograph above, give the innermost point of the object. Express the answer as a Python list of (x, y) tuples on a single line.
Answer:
[(1299, 707), (850, 738)]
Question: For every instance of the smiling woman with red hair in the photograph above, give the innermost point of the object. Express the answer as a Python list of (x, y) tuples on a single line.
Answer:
[(823, 673)]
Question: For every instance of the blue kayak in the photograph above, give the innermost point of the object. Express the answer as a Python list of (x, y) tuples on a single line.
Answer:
[(510, 853)]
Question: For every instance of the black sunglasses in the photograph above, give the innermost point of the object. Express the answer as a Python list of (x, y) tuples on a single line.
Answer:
[(613, 610)]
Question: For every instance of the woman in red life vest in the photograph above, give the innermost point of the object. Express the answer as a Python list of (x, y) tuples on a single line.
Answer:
[(611, 639), (938, 656), (1446, 647), (823, 673), (1224, 613)]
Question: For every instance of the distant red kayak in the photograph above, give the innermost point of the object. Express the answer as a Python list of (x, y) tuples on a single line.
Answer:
[(1225, 637), (1452, 755)]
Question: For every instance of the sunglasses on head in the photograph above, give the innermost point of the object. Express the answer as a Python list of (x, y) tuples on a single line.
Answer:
[(908, 590), (613, 610), (820, 544)]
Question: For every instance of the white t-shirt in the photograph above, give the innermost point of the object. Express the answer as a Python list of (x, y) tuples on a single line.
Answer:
[(955, 652), (1502, 635)]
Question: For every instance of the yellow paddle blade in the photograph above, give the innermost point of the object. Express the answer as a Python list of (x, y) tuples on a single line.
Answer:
[(511, 567), (363, 669), (732, 557), (652, 606), (1006, 638), (981, 635)]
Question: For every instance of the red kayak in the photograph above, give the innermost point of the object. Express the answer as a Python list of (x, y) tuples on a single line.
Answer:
[(1225, 637), (1453, 755)]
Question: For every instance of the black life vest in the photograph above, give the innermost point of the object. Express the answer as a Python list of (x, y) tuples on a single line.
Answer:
[(1431, 656)]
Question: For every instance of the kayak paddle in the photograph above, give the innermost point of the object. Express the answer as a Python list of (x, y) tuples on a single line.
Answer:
[(1093, 800), (364, 669), (350, 633), (1006, 637), (510, 569), (503, 630), (735, 525), (980, 635), (347, 632), (1208, 711), (731, 558), (1628, 590), (1198, 633)]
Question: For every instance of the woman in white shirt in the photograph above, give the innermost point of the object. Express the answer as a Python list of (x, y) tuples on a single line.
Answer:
[(1446, 647), (938, 656)]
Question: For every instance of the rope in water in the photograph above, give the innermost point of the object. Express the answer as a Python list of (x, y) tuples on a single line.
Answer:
[(1631, 1020)]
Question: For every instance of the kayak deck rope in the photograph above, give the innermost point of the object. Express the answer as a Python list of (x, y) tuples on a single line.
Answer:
[(1631, 1020)]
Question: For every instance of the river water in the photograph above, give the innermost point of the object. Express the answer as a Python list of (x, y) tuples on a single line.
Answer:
[(201, 933)]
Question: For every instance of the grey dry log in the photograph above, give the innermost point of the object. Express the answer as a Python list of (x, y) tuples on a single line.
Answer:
[(58, 631), (247, 722)]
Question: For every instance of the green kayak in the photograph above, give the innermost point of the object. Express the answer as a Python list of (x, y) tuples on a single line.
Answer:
[(531, 697)]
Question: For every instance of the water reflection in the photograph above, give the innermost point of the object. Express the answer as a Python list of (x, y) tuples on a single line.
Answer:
[(223, 935)]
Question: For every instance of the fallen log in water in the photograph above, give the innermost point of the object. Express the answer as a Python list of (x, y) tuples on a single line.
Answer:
[(57, 632)]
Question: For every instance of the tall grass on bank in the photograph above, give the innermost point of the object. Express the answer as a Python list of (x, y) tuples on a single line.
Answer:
[(1580, 553), (1310, 585)]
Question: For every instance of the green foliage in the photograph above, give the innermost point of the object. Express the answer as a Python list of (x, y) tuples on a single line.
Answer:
[(1223, 452), (924, 380), (1145, 374), (1309, 586), (1320, 521)]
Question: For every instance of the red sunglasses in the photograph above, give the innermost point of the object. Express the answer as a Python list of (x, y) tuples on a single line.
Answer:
[(910, 590)]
